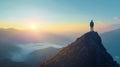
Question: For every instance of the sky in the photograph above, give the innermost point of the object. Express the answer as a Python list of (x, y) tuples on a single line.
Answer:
[(60, 16)]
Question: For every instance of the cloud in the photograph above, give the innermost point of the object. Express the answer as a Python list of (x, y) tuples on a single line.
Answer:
[(16, 44), (7, 49), (115, 26), (116, 18), (26, 49)]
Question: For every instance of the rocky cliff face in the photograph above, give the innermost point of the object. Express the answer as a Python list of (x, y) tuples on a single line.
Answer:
[(86, 51)]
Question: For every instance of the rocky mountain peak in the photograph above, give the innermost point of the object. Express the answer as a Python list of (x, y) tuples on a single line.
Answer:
[(86, 51)]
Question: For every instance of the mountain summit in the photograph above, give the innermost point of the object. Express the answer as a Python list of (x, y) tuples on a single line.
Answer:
[(86, 51)]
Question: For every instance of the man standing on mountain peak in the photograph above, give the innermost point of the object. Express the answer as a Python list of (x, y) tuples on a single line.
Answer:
[(91, 25)]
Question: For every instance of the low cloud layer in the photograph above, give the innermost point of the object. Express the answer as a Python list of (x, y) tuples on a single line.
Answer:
[(7, 49), (16, 45)]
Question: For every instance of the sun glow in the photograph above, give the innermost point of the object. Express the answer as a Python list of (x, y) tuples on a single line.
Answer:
[(33, 27)]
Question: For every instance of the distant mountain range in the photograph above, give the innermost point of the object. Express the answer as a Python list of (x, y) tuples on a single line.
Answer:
[(32, 60), (86, 51), (41, 55), (10, 63)]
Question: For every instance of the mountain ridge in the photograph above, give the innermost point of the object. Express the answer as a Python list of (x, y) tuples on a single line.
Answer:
[(41, 55), (86, 51)]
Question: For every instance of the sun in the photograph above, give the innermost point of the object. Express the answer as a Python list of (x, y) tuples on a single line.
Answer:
[(33, 27)]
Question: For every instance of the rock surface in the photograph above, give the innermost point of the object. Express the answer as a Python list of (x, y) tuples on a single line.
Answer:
[(86, 51)]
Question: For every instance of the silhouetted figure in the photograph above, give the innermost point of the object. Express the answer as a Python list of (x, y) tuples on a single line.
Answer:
[(91, 25)]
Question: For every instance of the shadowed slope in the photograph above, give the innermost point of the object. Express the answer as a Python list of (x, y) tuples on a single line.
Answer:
[(86, 51)]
